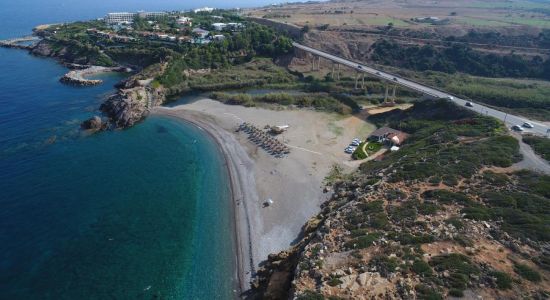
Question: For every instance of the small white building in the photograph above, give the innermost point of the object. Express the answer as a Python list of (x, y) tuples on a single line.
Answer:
[(218, 37), (219, 26), (203, 9), (185, 21)]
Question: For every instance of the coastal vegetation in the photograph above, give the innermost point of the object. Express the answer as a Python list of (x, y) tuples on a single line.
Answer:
[(459, 58), (527, 97), (540, 145), (255, 40), (257, 73), (432, 215), (320, 101)]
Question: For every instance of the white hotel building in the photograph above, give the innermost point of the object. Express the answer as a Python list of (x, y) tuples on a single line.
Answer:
[(126, 17)]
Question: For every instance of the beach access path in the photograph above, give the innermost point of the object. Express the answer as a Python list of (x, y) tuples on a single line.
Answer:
[(294, 183)]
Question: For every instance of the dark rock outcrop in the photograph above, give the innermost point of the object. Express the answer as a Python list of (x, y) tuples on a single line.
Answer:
[(94, 124), (43, 48), (126, 107)]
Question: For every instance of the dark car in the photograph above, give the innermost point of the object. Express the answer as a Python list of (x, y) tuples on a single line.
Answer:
[(360, 67), (469, 104)]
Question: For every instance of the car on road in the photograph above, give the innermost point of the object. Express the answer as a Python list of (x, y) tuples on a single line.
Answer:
[(517, 128), (359, 66), (450, 97), (395, 79), (469, 104), (378, 73), (528, 125)]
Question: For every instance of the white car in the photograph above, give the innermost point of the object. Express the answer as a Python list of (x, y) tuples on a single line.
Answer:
[(349, 150), (517, 128), (528, 125), (355, 143)]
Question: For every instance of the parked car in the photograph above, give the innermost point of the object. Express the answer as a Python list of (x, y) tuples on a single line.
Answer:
[(349, 150), (469, 104), (355, 143), (517, 128), (528, 125)]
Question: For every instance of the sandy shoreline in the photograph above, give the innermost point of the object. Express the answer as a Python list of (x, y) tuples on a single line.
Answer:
[(242, 186), (294, 183)]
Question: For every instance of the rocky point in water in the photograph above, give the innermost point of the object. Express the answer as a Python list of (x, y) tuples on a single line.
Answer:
[(94, 124)]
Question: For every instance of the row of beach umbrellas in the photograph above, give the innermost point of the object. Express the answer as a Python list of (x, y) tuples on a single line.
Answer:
[(265, 140)]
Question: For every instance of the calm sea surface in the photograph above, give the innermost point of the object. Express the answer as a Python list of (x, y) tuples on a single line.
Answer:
[(142, 213)]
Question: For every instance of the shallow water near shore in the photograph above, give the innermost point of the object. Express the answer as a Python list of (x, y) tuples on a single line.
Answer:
[(131, 214)]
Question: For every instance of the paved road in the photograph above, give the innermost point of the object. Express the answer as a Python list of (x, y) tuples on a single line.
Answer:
[(509, 119)]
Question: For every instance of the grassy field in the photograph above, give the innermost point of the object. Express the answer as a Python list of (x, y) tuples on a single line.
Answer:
[(400, 13)]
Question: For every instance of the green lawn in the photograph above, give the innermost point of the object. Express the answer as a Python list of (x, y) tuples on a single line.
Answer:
[(366, 149)]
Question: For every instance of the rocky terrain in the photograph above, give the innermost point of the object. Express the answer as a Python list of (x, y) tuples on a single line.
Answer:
[(437, 219), (134, 96)]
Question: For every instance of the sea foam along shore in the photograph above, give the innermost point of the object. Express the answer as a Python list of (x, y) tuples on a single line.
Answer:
[(243, 187)]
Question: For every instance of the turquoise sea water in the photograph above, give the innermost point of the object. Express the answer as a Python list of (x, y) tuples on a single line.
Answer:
[(142, 213)]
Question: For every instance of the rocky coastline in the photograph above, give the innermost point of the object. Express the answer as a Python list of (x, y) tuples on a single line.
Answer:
[(78, 76), (128, 105)]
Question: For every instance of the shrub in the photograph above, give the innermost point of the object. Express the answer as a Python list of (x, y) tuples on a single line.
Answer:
[(541, 145), (384, 264), (456, 293), (334, 282), (456, 222), (425, 292), (459, 266), (447, 197), (476, 213), (499, 199), (310, 295), (527, 273), (504, 281), (422, 268), (364, 241)]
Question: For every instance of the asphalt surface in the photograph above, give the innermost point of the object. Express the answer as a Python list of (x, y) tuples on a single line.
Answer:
[(508, 119)]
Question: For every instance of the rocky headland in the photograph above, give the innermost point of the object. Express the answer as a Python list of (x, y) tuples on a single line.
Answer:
[(130, 104)]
